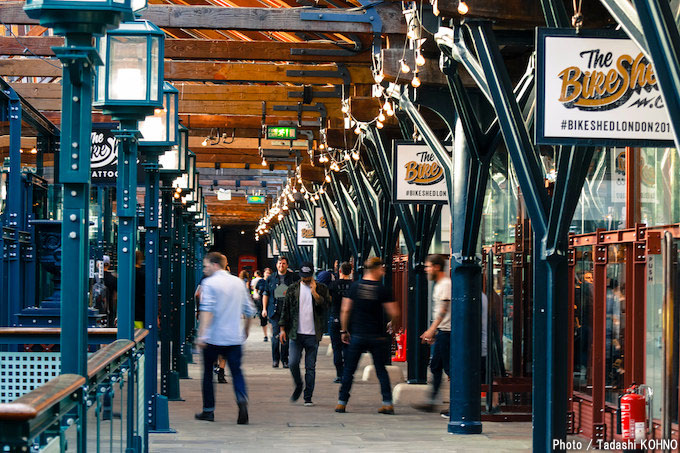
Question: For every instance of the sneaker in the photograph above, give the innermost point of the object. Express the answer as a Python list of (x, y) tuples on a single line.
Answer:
[(275, 364), (285, 364), (266, 339), (296, 394), (389, 410), (309, 403), (337, 380), (205, 416), (444, 413), (340, 408), (242, 414), (221, 379)]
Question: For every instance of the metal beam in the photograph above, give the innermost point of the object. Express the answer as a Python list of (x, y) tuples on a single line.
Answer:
[(624, 13), (663, 40)]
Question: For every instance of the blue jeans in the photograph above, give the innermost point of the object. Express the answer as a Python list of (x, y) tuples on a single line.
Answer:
[(279, 348), (339, 348), (310, 345), (379, 347), (233, 356), (441, 355)]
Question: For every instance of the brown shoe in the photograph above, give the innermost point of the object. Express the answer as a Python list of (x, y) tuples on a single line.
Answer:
[(389, 410), (340, 408)]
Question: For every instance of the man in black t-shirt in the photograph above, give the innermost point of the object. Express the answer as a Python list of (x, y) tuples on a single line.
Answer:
[(111, 283), (363, 328), (339, 290)]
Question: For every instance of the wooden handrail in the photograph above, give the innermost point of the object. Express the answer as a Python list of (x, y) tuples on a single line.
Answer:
[(106, 355), (30, 405), (56, 331)]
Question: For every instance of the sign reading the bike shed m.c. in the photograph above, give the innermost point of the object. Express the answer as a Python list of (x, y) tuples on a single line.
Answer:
[(418, 175), (597, 89), (104, 156)]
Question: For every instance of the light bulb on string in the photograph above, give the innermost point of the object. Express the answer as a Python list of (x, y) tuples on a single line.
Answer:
[(379, 77), (306, 196), (462, 8), (328, 177), (390, 112), (381, 117), (379, 124), (357, 130), (416, 81), (345, 108), (404, 67), (387, 106), (355, 155), (264, 162), (316, 196), (322, 190), (420, 60)]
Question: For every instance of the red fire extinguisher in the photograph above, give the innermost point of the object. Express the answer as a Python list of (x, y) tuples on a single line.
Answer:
[(633, 414)]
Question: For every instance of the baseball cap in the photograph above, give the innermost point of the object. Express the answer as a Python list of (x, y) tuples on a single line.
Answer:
[(307, 270), (106, 259)]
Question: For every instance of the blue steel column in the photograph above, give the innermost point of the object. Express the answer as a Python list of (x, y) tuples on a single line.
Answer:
[(156, 405), (663, 42), (182, 367), (126, 208), (78, 59), (15, 212), (168, 387)]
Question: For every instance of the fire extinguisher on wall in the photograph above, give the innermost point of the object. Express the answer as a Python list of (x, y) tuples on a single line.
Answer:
[(633, 413)]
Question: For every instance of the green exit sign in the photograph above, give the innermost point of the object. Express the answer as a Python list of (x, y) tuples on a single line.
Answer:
[(256, 199), (277, 132)]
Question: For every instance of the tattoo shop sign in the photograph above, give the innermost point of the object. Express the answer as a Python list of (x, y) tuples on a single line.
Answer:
[(103, 157), (418, 175), (597, 89)]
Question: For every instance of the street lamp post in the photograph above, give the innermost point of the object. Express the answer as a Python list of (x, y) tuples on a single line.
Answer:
[(172, 163), (159, 134), (129, 87), (78, 21)]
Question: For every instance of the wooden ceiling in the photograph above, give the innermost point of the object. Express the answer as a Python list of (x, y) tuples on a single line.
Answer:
[(232, 59)]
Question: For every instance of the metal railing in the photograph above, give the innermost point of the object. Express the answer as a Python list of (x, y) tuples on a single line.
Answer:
[(56, 415)]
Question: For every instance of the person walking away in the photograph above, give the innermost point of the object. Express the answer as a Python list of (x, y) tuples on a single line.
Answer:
[(339, 289), (111, 283), (302, 321), (439, 332), (257, 286), (272, 302), (223, 300), (140, 290), (363, 329)]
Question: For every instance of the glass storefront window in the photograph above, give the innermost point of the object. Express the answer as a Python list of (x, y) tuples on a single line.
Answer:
[(583, 320), (654, 338), (603, 199), (658, 173), (615, 322), (500, 203)]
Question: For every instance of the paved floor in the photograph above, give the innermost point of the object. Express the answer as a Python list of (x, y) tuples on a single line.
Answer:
[(277, 425)]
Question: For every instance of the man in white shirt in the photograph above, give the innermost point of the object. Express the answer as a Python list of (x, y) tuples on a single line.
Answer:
[(302, 321), (439, 332), (224, 299)]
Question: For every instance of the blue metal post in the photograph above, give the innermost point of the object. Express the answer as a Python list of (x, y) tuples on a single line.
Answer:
[(182, 367), (126, 207), (15, 212), (663, 42), (78, 59)]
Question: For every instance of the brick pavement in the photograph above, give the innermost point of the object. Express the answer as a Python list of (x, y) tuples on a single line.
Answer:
[(278, 425)]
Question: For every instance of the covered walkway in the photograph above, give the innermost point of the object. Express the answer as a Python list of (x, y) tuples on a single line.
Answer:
[(277, 425)]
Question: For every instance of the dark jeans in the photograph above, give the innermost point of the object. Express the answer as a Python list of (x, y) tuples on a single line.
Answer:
[(233, 356), (279, 348), (441, 355), (379, 347), (310, 345), (339, 348)]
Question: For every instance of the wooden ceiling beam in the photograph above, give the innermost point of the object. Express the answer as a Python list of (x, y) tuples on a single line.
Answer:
[(205, 71), (254, 19), (198, 49)]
